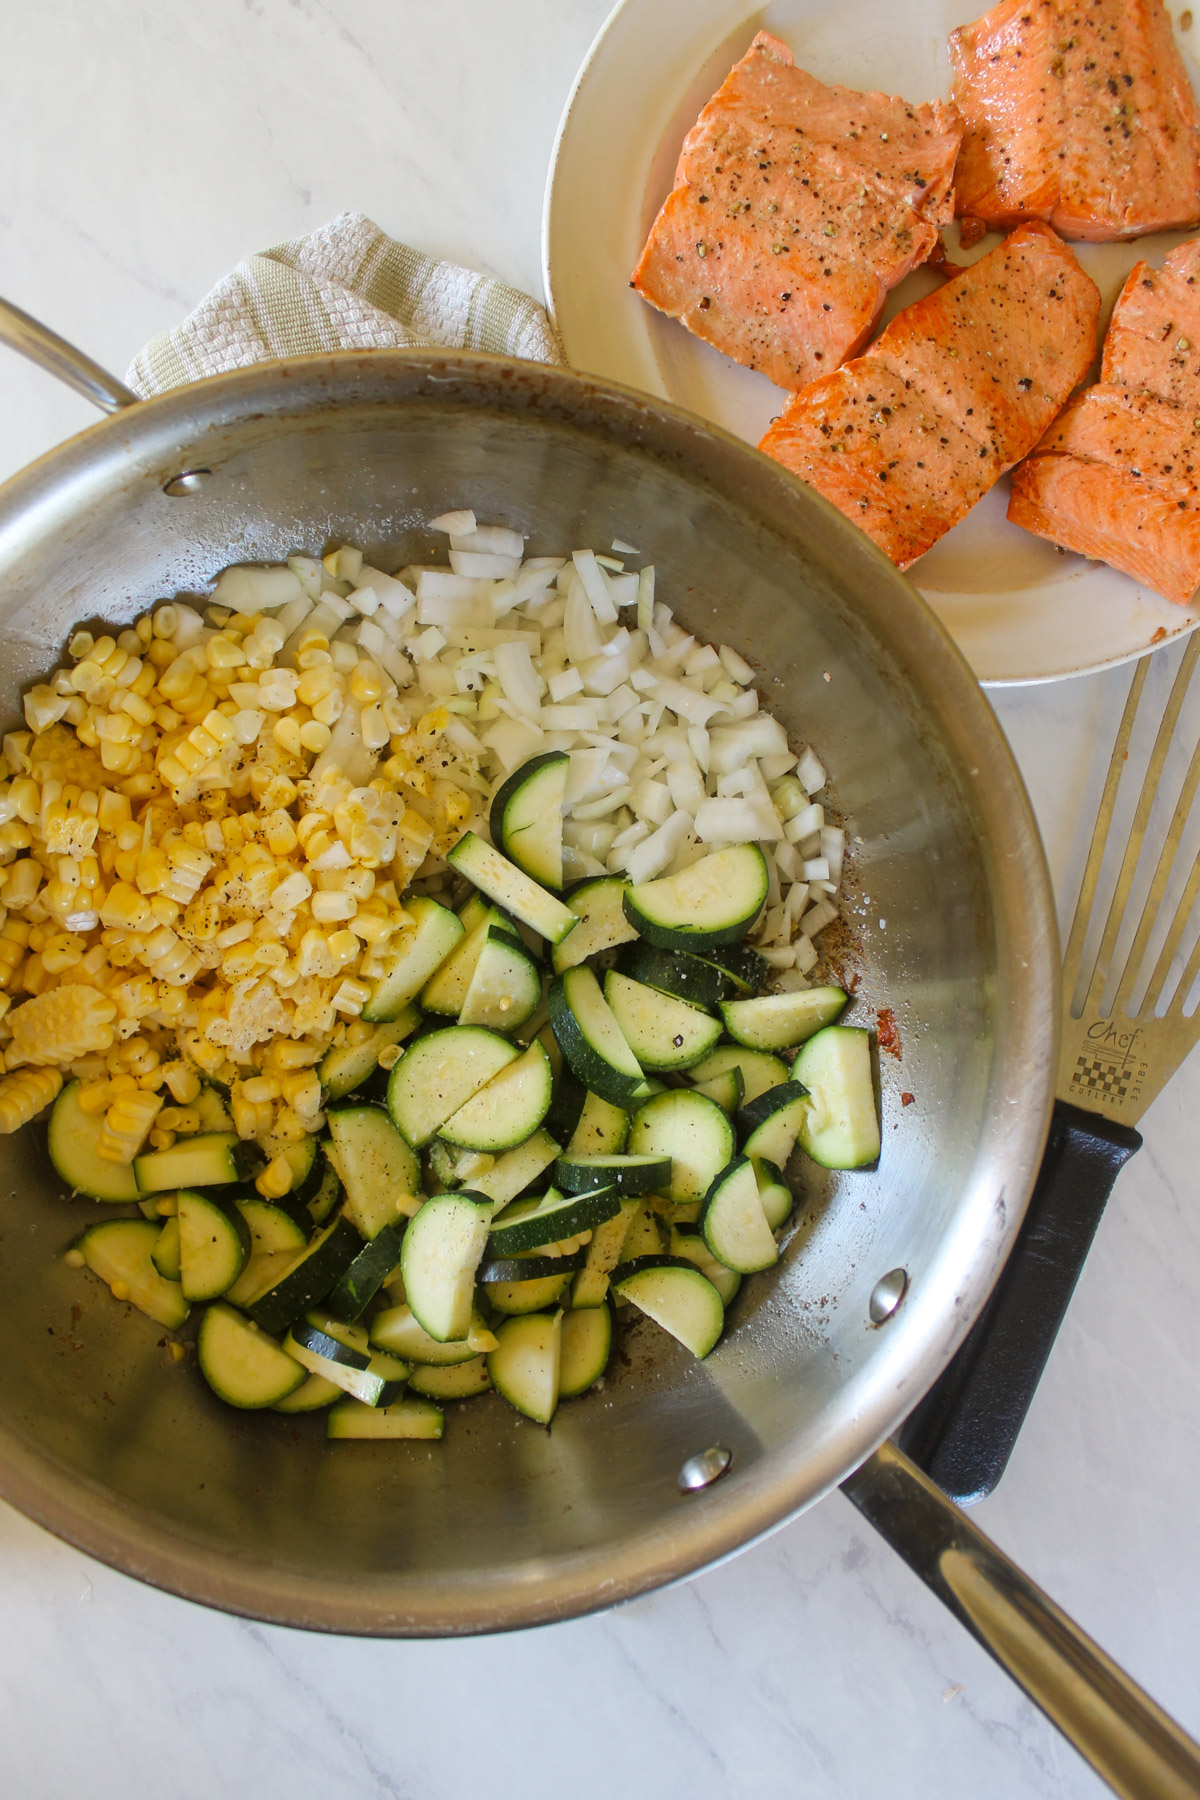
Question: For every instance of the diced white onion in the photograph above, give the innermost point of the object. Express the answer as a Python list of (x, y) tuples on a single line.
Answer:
[(456, 524)]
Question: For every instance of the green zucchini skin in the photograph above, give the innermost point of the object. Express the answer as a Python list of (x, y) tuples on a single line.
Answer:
[(308, 1281), (532, 1225), (770, 1125), (361, 1282), (526, 817), (531, 1268), (628, 1176), (591, 1040), (711, 902), (679, 973)]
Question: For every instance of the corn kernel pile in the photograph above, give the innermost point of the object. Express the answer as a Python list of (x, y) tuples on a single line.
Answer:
[(192, 883)]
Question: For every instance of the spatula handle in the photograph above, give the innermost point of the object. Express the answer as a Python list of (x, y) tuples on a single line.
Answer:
[(963, 1432), (1129, 1740)]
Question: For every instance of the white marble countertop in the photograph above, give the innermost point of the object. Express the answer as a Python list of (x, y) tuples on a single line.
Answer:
[(147, 145)]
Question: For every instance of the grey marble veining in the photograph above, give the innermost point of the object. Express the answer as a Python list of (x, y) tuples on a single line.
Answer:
[(147, 144)]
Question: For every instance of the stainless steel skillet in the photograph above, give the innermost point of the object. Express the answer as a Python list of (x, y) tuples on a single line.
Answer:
[(951, 927)]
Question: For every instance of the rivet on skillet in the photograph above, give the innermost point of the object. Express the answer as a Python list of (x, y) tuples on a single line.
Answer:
[(887, 1294), (190, 482), (707, 1466)]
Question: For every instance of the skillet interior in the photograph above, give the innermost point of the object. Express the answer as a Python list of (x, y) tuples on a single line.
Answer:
[(106, 1442)]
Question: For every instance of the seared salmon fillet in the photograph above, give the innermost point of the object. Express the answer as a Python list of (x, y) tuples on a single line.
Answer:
[(906, 438), (1078, 112), (1117, 477), (796, 208)]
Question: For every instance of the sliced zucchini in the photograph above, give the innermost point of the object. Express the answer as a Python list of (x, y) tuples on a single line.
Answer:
[(529, 1267), (531, 1293), (165, 1254), (264, 1270), (569, 1096), (513, 1172), (472, 910), (446, 989), (759, 1071), (367, 1273), (210, 1105), (374, 1377), (379, 1171), (524, 1366), (841, 1127), (676, 1296), (71, 1138), (591, 1040), (526, 819), (688, 1243), (211, 1160), (531, 1224), (271, 1228), (214, 1244), (664, 1033), (691, 1130), (771, 1124), (778, 1021), (776, 1196), (404, 1419), (510, 887), (347, 1066), (744, 966), (329, 1190), (121, 1252), (439, 1073), (398, 1331), (713, 901), (602, 1129), (599, 904), (461, 1382), (590, 1287), (728, 1090), (421, 952), (310, 1396), (506, 987), (644, 1235), (241, 1364), (586, 1347), (733, 1222), (308, 1278), (678, 972), (628, 1176), (442, 1249), (508, 1109)]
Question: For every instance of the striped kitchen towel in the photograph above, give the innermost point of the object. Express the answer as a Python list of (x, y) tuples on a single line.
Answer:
[(347, 286)]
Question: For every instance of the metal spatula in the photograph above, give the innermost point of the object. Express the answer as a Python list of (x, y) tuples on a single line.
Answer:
[(1116, 1058)]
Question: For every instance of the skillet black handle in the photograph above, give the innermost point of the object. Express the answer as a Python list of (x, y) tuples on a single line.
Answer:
[(964, 1430)]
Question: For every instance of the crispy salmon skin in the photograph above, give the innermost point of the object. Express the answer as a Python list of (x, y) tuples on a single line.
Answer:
[(1078, 112), (906, 438), (796, 208), (1117, 477)]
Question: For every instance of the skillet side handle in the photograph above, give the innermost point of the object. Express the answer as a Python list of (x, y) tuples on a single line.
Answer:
[(963, 1432), (1114, 1724), (52, 353)]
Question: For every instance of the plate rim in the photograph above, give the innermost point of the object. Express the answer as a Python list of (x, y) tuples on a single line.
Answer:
[(566, 119)]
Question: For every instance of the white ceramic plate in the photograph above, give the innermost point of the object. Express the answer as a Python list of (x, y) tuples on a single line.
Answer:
[(1020, 610)]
